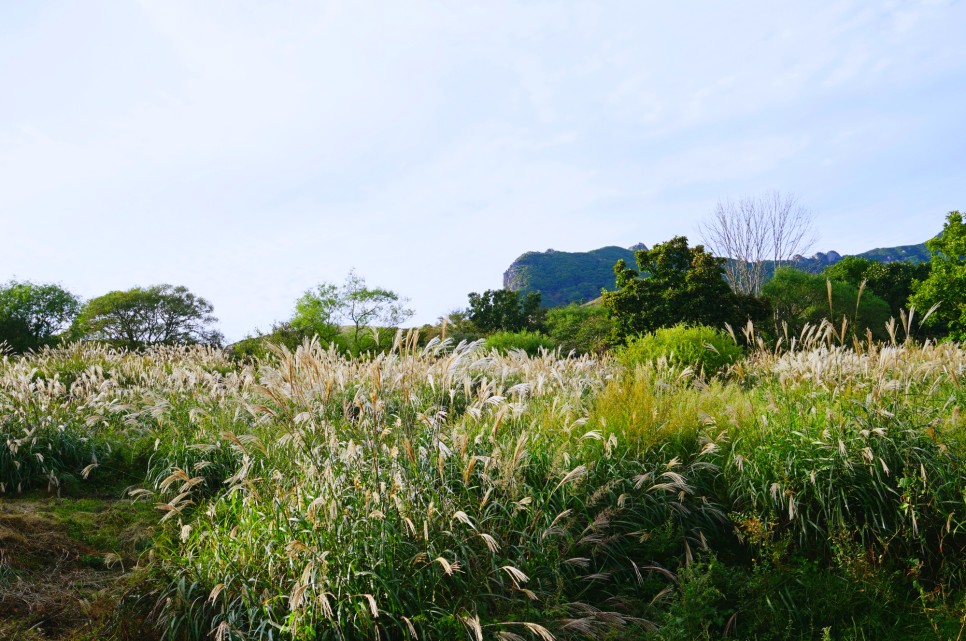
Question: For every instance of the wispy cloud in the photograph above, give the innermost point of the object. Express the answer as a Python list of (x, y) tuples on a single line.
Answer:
[(249, 150)]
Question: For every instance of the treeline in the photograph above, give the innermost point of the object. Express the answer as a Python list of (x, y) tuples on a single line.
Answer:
[(348, 315), (677, 284), (33, 316), (671, 284)]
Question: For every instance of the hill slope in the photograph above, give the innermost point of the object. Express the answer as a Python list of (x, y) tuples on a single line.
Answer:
[(569, 277), (566, 277)]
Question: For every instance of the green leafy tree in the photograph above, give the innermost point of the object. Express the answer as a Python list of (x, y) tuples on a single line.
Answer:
[(799, 298), (366, 307), (32, 315), (946, 284), (674, 283), (316, 314), (505, 310), (892, 282), (325, 309), (584, 329), (851, 269), (157, 315)]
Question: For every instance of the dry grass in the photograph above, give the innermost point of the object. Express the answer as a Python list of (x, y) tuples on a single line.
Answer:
[(453, 492)]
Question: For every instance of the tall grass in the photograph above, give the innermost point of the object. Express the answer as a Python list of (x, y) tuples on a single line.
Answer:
[(446, 491), (429, 495)]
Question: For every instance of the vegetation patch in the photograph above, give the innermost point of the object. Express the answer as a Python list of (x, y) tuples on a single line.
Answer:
[(441, 492), (66, 565)]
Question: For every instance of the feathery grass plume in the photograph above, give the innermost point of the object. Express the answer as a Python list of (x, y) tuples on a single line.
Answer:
[(315, 495)]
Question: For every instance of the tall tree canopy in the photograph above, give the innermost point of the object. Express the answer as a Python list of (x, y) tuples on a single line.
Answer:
[(162, 314), (892, 282), (32, 315), (505, 310), (946, 284), (673, 284)]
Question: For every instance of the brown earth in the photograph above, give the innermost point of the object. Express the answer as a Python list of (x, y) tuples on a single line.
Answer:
[(66, 566)]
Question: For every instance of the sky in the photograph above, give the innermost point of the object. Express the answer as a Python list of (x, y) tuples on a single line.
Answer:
[(251, 149)]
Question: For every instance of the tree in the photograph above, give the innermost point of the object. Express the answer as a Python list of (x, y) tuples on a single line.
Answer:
[(892, 282), (316, 313), (321, 311), (32, 315), (674, 283), (798, 298), (371, 306), (158, 315), (505, 310), (946, 284), (755, 230)]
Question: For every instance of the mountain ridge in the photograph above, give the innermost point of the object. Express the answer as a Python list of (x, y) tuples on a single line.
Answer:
[(577, 277)]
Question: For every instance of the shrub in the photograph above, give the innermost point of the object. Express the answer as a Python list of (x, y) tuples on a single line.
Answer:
[(530, 342), (580, 328), (799, 298), (701, 347)]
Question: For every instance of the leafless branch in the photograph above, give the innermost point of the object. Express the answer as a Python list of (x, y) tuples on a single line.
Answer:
[(756, 229)]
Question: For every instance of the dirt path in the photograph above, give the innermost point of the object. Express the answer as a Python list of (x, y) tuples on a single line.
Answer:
[(64, 565)]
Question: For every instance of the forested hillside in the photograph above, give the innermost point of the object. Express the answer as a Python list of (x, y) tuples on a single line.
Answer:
[(577, 277)]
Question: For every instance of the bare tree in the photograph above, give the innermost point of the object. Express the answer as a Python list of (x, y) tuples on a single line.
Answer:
[(754, 230)]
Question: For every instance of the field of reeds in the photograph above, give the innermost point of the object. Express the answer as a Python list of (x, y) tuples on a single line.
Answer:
[(453, 492)]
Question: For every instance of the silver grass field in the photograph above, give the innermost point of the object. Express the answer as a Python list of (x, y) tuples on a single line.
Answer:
[(449, 492)]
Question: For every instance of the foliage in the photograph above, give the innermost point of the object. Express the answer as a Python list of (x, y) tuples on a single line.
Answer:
[(799, 299), (529, 342), (317, 313), (258, 345), (946, 284), (505, 310), (892, 282), (455, 326), (156, 315), (15, 335), (321, 311), (264, 345), (578, 277), (32, 315), (674, 284), (584, 329), (704, 349)]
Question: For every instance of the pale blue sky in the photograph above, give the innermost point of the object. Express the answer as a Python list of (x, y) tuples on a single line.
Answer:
[(251, 149)]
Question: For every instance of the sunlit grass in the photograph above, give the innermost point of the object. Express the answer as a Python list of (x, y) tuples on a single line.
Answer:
[(456, 492)]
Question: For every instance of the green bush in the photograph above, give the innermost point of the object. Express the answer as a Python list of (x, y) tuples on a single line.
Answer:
[(799, 298), (701, 347), (580, 328), (530, 342)]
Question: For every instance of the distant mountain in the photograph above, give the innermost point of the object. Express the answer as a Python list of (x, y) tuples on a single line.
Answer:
[(909, 253), (569, 277)]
